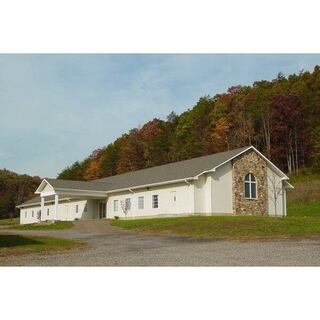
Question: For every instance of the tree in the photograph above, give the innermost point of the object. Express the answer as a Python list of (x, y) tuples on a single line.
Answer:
[(15, 189), (289, 131), (275, 186), (280, 117)]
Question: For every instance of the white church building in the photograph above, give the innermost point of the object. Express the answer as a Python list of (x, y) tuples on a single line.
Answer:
[(240, 181)]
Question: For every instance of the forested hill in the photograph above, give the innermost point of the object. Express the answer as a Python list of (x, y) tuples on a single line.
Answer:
[(15, 189), (280, 117)]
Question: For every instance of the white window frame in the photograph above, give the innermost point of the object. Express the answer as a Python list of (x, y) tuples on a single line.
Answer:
[(141, 202), (116, 205), (155, 201), (250, 182)]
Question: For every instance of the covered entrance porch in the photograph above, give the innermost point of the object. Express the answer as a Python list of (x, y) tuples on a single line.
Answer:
[(71, 204)]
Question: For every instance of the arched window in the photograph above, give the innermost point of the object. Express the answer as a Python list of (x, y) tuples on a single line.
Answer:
[(250, 186)]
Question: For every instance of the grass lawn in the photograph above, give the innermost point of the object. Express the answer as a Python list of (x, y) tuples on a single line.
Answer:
[(227, 227), (58, 225), (310, 209), (17, 245), (8, 222)]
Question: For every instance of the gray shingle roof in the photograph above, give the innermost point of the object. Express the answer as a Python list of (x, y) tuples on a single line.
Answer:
[(37, 200), (77, 185), (168, 172)]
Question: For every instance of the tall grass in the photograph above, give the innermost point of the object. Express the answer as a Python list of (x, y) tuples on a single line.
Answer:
[(306, 191)]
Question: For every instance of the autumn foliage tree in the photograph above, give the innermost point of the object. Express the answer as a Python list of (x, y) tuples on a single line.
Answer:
[(280, 117), (15, 189)]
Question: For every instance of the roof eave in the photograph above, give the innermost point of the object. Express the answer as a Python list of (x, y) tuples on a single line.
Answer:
[(151, 185), (38, 191)]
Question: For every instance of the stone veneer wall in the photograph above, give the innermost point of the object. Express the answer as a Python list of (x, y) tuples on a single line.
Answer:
[(249, 162)]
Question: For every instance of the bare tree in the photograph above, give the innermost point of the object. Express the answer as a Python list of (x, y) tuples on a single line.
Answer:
[(275, 185), (125, 205)]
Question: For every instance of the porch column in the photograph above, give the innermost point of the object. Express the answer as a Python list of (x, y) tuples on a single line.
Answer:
[(42, 209), (56, 202)]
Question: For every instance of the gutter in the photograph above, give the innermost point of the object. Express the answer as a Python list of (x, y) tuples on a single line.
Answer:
[(151, 185)]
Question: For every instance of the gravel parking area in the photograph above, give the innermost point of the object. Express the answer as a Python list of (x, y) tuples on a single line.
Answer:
[(109, 246)]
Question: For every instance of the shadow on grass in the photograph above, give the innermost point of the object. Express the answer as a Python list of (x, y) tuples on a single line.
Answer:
[(7, 241)]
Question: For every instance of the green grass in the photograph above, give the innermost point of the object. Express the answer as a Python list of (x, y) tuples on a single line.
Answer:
[(8, 222), (227, 227), (58, 225), (18, 245), (304, 199), (309, 209)]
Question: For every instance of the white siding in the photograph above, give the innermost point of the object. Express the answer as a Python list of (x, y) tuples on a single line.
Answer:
[(208, 193), (275, 183), (221, 192), (167, 206), (200, 195), (26, 215), (66, 211)]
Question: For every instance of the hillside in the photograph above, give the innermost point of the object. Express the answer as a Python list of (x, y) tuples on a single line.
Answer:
[(280, 117), (15, 189), (304, 199)]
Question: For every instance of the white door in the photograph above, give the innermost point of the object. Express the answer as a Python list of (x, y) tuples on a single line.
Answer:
[(173, 200)]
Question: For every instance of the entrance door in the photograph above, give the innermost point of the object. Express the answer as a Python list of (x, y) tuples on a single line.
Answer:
[(102, 210), (173, 197)]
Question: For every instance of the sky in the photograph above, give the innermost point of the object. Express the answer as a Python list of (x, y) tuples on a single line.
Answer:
[(56, 109)]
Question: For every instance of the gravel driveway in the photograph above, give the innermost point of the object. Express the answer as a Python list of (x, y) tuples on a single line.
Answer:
[(109, 246)]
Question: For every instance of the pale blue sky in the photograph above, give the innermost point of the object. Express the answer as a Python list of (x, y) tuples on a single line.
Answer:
[(56, 109)]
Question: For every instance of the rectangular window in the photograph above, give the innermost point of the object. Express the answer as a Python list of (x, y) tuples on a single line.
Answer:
[(48, 211), (253, 191), (128, 204), (247, 190), (25, 214), (155, 201), (140, 202), (77, 208), (115, 205), (32, 213)]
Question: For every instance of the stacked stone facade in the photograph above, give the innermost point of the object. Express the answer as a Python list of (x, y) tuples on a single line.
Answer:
[(249, 162)]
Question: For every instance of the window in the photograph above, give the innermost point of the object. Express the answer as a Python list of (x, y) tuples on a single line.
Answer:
[(155, 201), (140, 202), (25, 214), (85, 208), (32, 213), (48, 211), (115, 205), (128, 204), (77, 208), (250, 186)]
